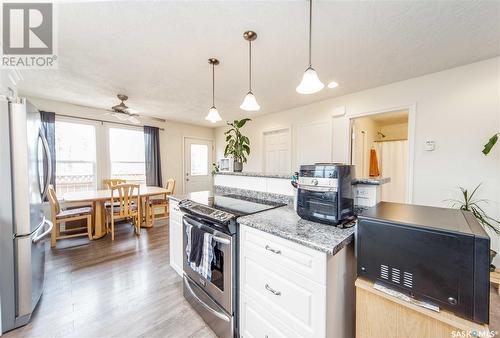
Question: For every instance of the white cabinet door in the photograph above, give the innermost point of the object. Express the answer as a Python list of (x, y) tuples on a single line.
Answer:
[(277, 151), (175, 237)]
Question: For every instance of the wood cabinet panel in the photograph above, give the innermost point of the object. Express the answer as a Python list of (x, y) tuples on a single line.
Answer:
[(382, 315)]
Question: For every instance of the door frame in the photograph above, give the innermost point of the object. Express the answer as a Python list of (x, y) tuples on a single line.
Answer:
[(412, 109), (184, 138), (290, 144)]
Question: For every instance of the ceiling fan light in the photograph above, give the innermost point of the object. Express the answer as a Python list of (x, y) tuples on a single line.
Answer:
[(333, 84), (213, 115), (250, 103), (310, 83)]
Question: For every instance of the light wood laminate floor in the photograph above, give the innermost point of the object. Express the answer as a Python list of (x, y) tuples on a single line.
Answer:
[(124, 288)]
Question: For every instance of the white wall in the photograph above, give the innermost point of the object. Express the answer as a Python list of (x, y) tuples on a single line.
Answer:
[(458, 108), (171, 138)]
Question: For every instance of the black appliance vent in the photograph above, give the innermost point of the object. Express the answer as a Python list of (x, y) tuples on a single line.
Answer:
[(394, 275)]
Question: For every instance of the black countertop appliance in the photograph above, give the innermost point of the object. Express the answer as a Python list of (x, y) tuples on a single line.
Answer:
[(432, 254), (325, 193)]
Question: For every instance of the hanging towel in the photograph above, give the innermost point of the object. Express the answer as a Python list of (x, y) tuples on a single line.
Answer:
[(197, 241), (207, 256), (373, 163)]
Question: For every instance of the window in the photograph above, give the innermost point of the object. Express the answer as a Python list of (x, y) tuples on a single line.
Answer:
[(199, 159), (75, 156), (126, 151)]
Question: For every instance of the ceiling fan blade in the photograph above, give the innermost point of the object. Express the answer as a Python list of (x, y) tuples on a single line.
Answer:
[(133, 119)]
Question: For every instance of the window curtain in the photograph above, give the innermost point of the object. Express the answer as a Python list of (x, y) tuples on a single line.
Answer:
[(153, 162), (49, 130)]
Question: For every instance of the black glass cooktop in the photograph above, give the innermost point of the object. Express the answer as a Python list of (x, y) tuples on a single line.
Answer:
[(241, 205)]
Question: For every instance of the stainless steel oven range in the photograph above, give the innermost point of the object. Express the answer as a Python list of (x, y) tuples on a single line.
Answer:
[(216, 298)]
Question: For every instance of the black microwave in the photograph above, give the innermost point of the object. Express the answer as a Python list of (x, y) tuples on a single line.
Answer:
[(437, 255), (325, 193)]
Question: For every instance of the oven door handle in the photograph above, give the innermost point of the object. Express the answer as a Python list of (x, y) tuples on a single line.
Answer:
[(317, 189), (221, 240), (205, 305), (216, 238)]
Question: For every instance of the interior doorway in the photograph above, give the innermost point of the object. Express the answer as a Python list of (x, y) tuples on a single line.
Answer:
[(197, 165), (380, 147)]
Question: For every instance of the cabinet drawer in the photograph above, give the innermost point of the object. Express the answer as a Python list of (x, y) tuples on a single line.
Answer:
[(256, 322), (293, 299), (284, 253)]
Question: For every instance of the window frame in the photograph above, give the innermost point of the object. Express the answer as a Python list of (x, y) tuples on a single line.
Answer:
[(96, 167), (110, 125)]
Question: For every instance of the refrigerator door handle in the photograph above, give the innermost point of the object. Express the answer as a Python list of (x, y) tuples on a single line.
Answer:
[(49, 164), (45, 233)]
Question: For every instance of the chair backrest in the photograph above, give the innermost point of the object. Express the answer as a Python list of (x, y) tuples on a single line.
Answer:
[(170, 186), (123, 197), (55, 208), (110, 182)]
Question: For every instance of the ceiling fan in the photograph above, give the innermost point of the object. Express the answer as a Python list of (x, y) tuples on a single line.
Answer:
[(124, 113)]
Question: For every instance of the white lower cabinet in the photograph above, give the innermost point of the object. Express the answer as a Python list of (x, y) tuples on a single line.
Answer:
[(257, 322), (175, 236), (289, 290)]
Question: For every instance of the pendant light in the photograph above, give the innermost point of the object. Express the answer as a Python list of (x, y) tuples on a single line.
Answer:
[(213, 115), (310, 81), (249, 102)]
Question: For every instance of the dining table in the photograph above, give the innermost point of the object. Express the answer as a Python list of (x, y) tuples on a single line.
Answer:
[(98, 197)]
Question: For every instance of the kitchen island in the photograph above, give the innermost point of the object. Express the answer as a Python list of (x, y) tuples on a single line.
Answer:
[(296, 276)]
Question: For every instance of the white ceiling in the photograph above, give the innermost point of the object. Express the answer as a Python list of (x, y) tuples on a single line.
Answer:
[(156, 52)]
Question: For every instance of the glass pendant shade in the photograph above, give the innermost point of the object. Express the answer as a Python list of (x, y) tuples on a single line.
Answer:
[(310, 83), (213, 115), (250, 103)]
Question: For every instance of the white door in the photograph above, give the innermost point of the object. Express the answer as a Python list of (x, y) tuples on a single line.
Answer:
[(277, 151), (198, 160)]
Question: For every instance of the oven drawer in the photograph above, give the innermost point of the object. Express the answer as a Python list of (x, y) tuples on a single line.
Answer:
[(256, 321), (307, 262), (296, 301)]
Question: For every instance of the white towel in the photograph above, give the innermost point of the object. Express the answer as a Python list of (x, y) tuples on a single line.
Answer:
[(204, 268)]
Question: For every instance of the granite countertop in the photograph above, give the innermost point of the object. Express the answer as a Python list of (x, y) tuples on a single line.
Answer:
[(199, 196), (257, 174), (285, 223), (371, 180)]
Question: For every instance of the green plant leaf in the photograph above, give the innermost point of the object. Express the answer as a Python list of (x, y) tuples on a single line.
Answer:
[(491, 143), (241, 123)]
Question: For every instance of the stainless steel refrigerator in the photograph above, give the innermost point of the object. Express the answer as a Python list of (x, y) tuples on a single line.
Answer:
[(23, 226)]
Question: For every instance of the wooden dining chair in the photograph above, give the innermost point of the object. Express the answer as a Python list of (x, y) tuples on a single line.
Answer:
[(125, 202), (62, 216), (110, 182), (162, 202)]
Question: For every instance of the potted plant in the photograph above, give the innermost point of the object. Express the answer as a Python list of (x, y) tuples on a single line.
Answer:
[(237, 144), (472, 204)]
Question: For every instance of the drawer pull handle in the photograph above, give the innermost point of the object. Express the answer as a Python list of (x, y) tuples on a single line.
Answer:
[(270, 289), (278, 252)]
